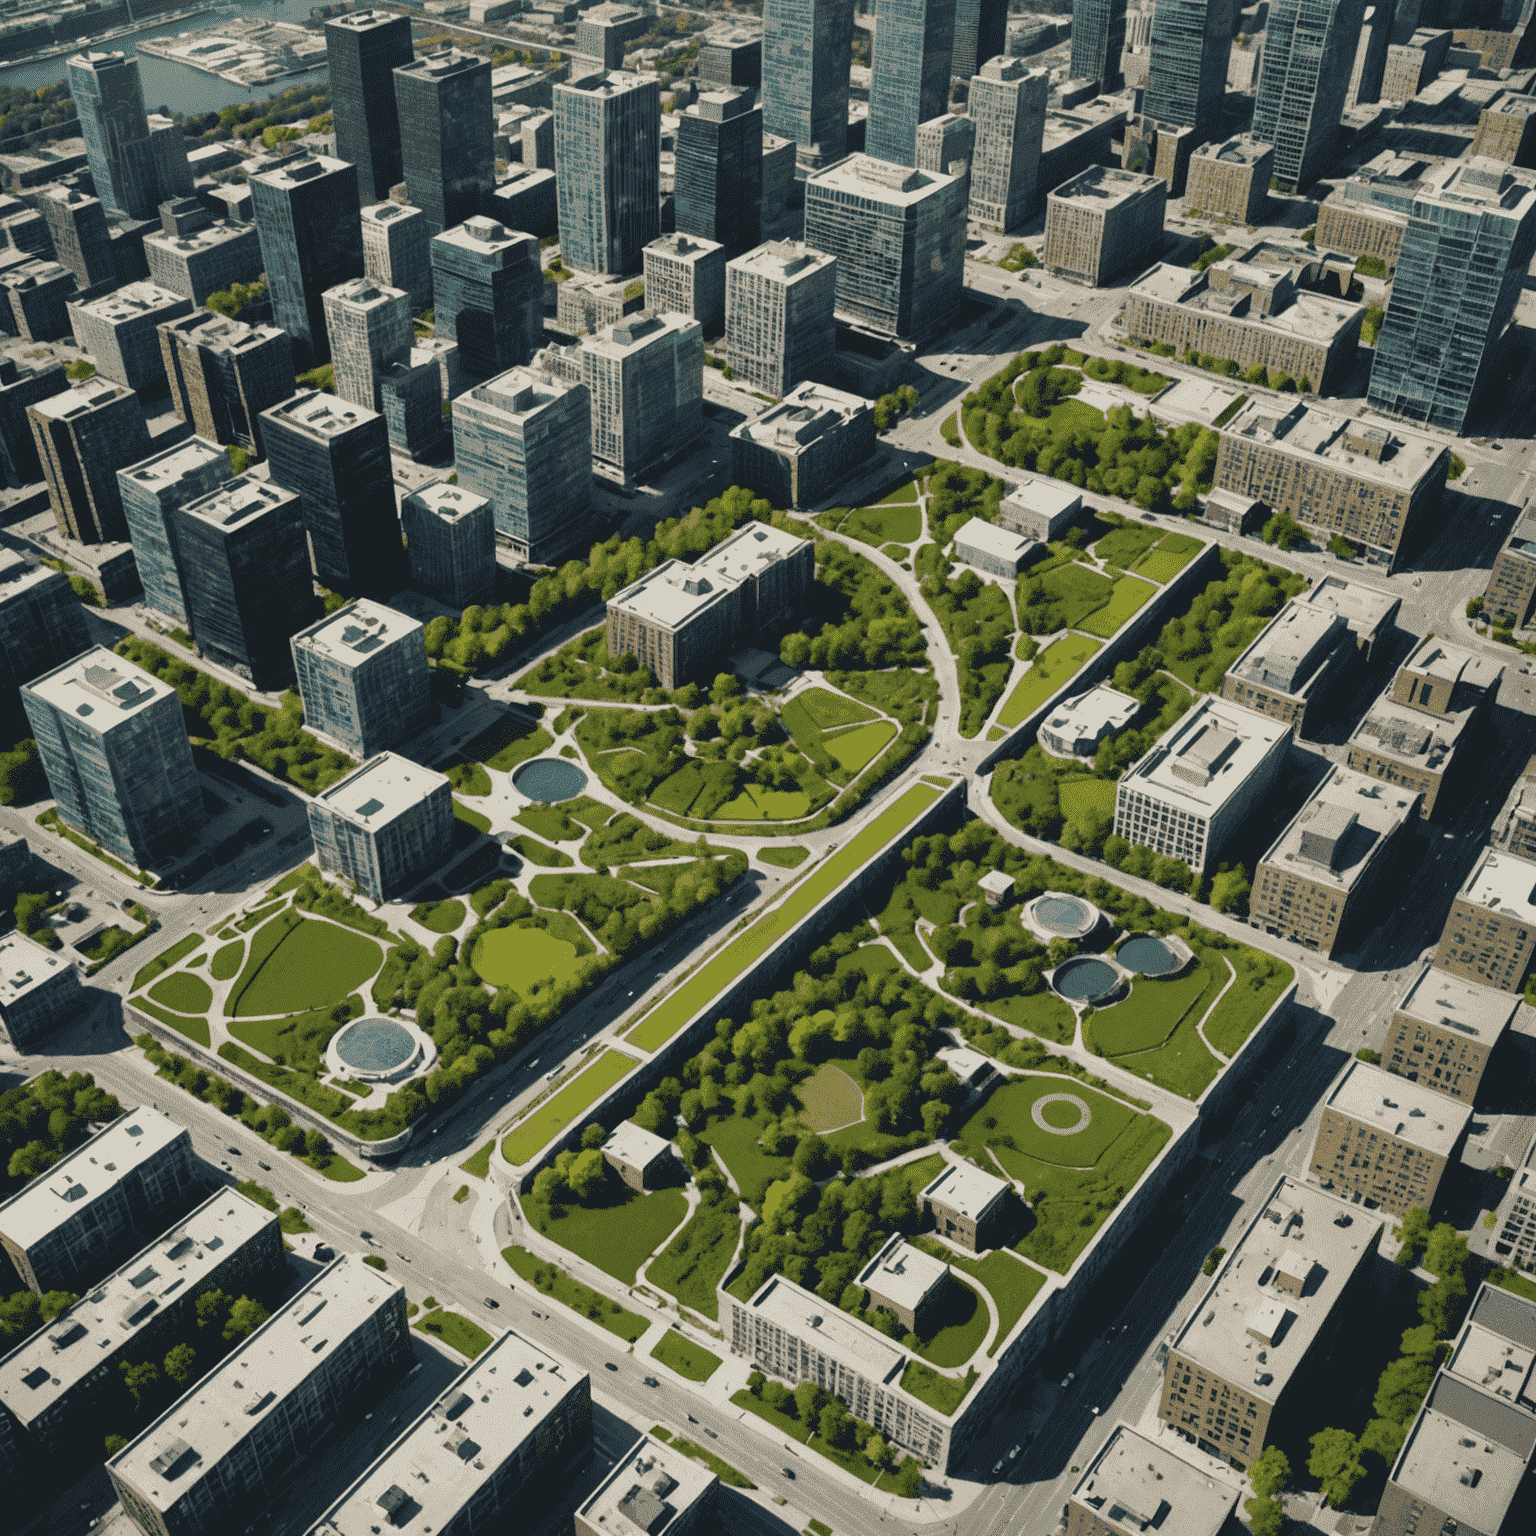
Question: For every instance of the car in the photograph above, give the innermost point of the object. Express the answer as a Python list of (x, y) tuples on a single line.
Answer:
[(998, 1467), (235, 1151), (324, 1253), (491, 1302), (1067, 1380), (1012, 1454), (609, 1365), (267, 1166), (651, 1381), (788, 1473), (1274, 1112)]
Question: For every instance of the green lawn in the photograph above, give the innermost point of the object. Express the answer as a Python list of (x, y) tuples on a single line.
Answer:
[(831, 1099), (295, 1040), (225, 965), (520, 958), (1011, 1105), (898, 522), (621, 1231), (711, 978), (541, 853), (955, 1331), (1129, 596), (480, 1163), (553, 1281), (1056, 665), (859, 747), (469, 778), (757, 804), (1071, 593), (462, 812), (557, 1111), (297, 963), (783, 858), (828, 710), (688, 1359), (1145, 1019), (457, 1331), (734, 1141), (165, 960), (942, 1392), (441, 916), (194, 1029), (1122, 546), (1011, 1283), (1260, 981), (695, 1261), (1172, 553), (183, 992), (1087, 797), (507, 743), (849, 1461)]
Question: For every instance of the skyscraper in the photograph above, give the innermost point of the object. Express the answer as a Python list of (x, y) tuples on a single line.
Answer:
[(396, 250), (488, 295), (384, 825), (307, 214), (107, 95), (1187, 73), (1098, 40), (720, 169), (1309, 51), (909, 80), (450, 536), (646, 379), (114, 747), (362, 51), (1008, 107), (1470, 235), (370, 328), (807, 51), (981, 33), (223, 374), (81, 239), (42, 623), (84, 436), (779, 305), (447, 134), (608, 170)]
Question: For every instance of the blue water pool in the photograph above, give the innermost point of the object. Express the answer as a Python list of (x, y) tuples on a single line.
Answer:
[(375, 1045), (1085, 979), (1061, 914), (550, 779), (1149, 956)]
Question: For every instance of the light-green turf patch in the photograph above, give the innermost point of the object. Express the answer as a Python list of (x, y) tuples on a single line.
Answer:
[(456, 1331), (440, 917), (557, 1112), (1260, 981), (1128, 598), (829, 710), (1011, 1106), (684, 1001), (945, 1393), (297, 963), (906, 491), (619, 1234), (688, 1359), (783, 858), (735, 1141), (541, 853), (469, 778), (166, 959), (554, 1281), (194, 1029), (183, 992), (480, 1163), (758, 804), (470, 818), (226, 961), (520, 958), (1009, 1281), (831, 1099), (1053, 668), (954, 1330), (1086, 797), (898, 522), (1145, 1019), (856, 748), (1171, 554)]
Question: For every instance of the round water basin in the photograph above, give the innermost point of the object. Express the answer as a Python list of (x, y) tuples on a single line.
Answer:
[(1148, 956), (1085, 979), (1057, 915), (549, 780), (377, 1049)]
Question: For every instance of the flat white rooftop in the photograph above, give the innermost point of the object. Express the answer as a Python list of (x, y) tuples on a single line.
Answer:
[(1241, 149), (1412, 736), (637, 333), (380, 790), (752, 549), (517, 395), (360, 630), (363, 293), (903, 1274), (1134, 1484), (1454, 664), (100, 1164), (1105, 186), (633, 1144), (1391, 1104), (967, 1190), (1502, 884), (174, 464), (321, 416), (504, 1400), (1364, 609), (99, 689), (1090, 713), (1437, 998), (1002, 544), (1048, 497), (878, 181), (133, 301), (804, 416), (25, 966), (220, 232), (1336, 837), (82, 398), (1290, 649), (450, 502), (484, 235), (690, 249), (783, 261), (237, 501), (51, 1363), (298, 169), (1207, 756), (647, 1491), (804, 1315)]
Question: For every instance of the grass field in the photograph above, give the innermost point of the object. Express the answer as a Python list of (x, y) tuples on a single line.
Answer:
[(553, 1281), (521, 957), (683, 1002), (1011, 1106), (1171, 554), (695, 1261), (955, 1331), (829, 710), (225, 965), (688, 1359), (297, 963), (621, 1231), (1074, 592), (831, 1099), (1183, 1064), (757, 804), (1145, 1019), (507, 743), (480, 1163), (1011, 1283), (1055, 666), (557, 1111), (440, 917), (1123, 546), (783, 858), (1128, 598), (734, 1142), (1087, 797), (456, 1331), (469, 778), (859, 747), (899, 522), (166, 959), (183, 992), (1260, 981), (945, 1393), (541, 853)]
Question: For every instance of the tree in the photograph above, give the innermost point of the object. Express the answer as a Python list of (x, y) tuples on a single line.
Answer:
[(1265, 1516), (834, 1425), (1335, 1463), (1230, 891), (587, 1174), (140, 1380), (755, 1383), (1413, 1234), (1446, 1250), (877, 1452), (212, 1307), (909, 1478), (245, 1317), (316, 1144), (808, 1400), (181, 1364), (1271, 1473)]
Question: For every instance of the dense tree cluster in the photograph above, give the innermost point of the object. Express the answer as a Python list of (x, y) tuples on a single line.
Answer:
[(45, 1118)]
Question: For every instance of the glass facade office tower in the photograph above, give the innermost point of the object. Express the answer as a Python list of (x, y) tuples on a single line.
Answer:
[(223, 374), (909, 81), (83, 437), (1098, 40), (807, 52), (1008, 107), (1309, 51), (114, 747), (608, 170), (447, 135), (720, 170), (1470, 236), (370, 329), (489, 291), (308, 217), (110, 100), (383, 826), (981, 33), (1187, 73), (363, 51)]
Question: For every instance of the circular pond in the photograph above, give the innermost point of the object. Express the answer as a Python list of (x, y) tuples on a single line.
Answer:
[(1085, 979), (550, 780), (1149, 956), (378, 1050), (1055, 915)]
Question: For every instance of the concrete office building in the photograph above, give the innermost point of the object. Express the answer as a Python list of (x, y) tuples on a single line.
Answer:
[(384, 825), (799, 451), (680, 619), (1230, 180), (524, 441), (731, 59), (1075, 728), (362, 52), (1386, 1141), (77, 226), (1134, 1483), (1444, 1030), (83, 437), (719, 169), (645, 377), (1514, 827), (987, 547), (1413, 63), (807, 53), (1247, 1346), (779, 305), (1374, 484), (56, 1387), (907, 1282), (909, 75), (204, 260), (1158, 149), (488, 295), (118, 331), (244, 565), (397, 250), (336, 456), (151, 490), (223, 374), (593, 303), (1512, 581), (307, 213), (1101, 221), (1469, 1448), (1309, 49), (981, 33), (1187, 74), (1331, 860), (942, 141), (1098, 40), (686, 276), (603, 30), (898, 236), (526, 199), (967, 1205), (1366, 214), (450, 538), (1007, 103), (1506, 131), (1469, 238), (110, 102), (1514, 1242), (168, 150), (363, 677), (216, 1456), (1490, 931), (654, 1488), (100, 1203), (19, 388), (608, 169), (41, 620), (1077, 139), (34, 296), (1300, 656), (519, 1419), (1412, 733), (38, 991), (1040, 509), (1200, 781), (446, 132), (370, 328)]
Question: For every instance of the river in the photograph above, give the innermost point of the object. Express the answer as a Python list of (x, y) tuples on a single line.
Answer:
[(179, 87)]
